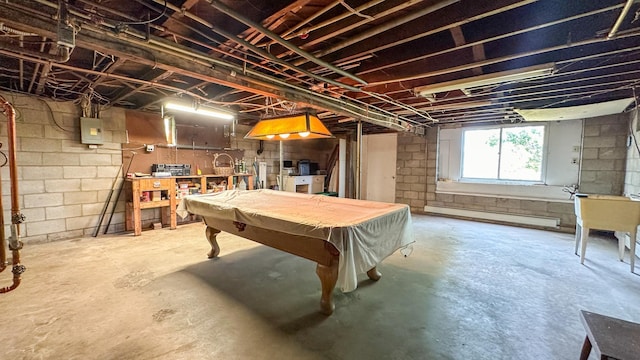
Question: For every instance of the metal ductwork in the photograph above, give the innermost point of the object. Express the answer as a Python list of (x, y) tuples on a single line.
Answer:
[(63, 55)]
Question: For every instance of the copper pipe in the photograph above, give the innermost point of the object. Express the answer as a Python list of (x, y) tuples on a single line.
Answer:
[(3, 243), (16, 217), (17, 271)]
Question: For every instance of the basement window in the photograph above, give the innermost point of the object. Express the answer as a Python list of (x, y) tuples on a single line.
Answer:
[(525, 161), (503, 153)]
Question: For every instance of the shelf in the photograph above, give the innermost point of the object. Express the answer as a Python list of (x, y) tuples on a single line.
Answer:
[(167, 186), (154, 204)]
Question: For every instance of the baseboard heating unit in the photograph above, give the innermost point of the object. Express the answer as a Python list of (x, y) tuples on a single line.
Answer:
[(507, 218)]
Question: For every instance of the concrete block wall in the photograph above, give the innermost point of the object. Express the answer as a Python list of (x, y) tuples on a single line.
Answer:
[(411, 171), (632, 173), (604, 155), (62, 184), (413, 176)]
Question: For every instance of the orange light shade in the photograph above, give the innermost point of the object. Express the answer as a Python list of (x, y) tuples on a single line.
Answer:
[(290, 127)]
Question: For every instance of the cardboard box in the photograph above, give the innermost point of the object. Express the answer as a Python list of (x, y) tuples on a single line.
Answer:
[(156, 195)]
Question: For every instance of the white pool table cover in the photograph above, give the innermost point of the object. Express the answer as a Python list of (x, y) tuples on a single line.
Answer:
[(365, 232)]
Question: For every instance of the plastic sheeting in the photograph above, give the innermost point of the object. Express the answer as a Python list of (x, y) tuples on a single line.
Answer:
[(365, 232)]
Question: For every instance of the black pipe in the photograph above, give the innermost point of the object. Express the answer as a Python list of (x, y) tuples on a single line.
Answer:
[(106, 203), (115, 204)]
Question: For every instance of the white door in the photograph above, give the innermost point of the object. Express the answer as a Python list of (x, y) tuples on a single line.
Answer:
[(379, 167)]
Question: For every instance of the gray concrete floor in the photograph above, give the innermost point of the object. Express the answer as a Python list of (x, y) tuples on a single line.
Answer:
[(468, 291)]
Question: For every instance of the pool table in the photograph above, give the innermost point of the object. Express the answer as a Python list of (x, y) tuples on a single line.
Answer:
[(345, 237)]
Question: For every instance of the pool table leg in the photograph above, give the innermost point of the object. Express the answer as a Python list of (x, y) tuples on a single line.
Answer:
[(374, 274), (211, 236), (328, 277)]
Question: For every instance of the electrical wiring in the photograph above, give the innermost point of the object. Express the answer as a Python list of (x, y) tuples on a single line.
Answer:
[(54, 118), (633, 134), (66, 93), (164, 11), (356, 12), (6, 159)]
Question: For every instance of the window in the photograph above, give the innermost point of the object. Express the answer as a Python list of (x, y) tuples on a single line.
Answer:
[(485, 170), (504, 153)]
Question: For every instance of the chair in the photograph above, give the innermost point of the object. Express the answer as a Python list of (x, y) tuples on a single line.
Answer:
[(605, 212)]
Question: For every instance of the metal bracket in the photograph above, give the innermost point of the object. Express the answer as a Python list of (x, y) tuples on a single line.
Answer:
[(17, 218), (18, 269)]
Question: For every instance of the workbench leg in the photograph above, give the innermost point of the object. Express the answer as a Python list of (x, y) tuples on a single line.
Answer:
[(328, 277), (621, 247), (632, 251), (374, 274), (578, 235), (584, 237), (211, 236)]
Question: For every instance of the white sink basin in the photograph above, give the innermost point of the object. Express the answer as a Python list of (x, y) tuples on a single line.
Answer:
[(607, 212)]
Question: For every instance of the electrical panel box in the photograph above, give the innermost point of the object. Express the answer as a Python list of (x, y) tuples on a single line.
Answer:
[(66, 36), (91, 130)]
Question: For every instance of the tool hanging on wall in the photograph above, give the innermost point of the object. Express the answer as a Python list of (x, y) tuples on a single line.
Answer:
[(106, 203), (15, 245), (115, 203)]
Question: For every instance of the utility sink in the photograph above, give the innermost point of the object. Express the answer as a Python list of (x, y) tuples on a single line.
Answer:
[(606, 212)]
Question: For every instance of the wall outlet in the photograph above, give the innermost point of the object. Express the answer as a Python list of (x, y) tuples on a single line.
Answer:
[(574, 161), (150, 148)]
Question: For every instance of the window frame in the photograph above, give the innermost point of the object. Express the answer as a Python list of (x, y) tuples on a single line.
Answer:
[(501, 127), (562, 168)]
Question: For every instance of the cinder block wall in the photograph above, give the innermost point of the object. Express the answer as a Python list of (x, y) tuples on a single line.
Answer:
[(602, 172), (62, 183), (412, 182), (604, 154), (632, 174)]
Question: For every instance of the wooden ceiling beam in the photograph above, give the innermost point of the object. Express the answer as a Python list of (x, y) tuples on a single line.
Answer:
[(160, 53), (390, 41)]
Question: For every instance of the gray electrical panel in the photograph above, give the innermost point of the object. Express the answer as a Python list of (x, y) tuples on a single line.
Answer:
[(91, 130)]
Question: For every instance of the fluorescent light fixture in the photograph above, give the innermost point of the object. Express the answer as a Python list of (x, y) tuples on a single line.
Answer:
[(198, 109), (515, 75), (290, 127), (458, 105), (576, 112), (170, 130)]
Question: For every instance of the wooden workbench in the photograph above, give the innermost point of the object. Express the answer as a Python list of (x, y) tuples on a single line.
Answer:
[(165, 197)]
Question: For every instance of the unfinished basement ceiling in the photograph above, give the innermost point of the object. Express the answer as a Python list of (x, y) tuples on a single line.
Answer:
[(349, 60)]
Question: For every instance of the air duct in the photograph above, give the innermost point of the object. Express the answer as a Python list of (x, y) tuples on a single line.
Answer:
[(63, 55)]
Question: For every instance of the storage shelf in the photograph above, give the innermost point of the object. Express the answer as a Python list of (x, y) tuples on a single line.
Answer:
[(154, 204), (167, 187)]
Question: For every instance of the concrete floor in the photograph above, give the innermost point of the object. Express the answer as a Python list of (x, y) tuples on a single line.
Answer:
[(468, 291)]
